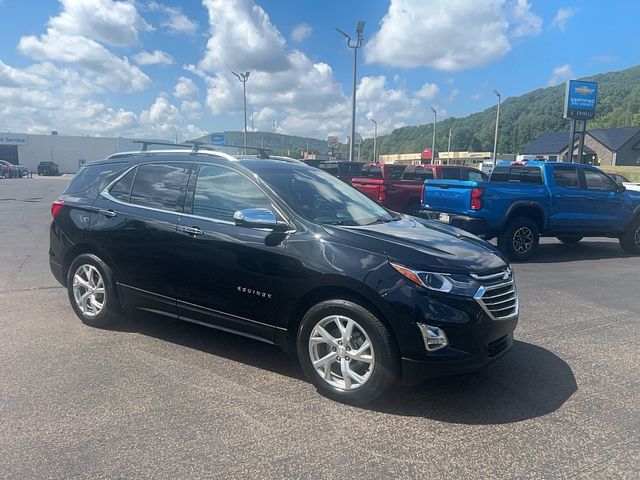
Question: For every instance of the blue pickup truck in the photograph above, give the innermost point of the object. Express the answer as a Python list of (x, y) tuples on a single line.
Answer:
[(522, 202)]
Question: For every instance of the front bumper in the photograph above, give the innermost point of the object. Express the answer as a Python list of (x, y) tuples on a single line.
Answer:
[(477, 226)]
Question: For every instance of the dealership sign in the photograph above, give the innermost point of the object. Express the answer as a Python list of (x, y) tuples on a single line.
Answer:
[(580, 100), (13, 139), (332, 142)]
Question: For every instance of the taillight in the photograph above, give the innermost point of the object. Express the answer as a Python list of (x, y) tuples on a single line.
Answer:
[(56, 207), (476, 198), (382, 196)]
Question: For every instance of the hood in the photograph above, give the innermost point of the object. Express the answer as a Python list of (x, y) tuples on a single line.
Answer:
[(425, 245)]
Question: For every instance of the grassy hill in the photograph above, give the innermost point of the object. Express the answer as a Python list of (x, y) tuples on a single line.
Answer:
[(522, 119)]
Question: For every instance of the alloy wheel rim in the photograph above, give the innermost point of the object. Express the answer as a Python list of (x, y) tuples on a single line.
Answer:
[(341, 352), (522, 240), (88, 290)]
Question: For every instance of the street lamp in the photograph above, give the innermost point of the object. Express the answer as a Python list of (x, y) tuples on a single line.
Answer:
[(375, 139), (355, 44), (243, 77), (495, 138), (433, 142)]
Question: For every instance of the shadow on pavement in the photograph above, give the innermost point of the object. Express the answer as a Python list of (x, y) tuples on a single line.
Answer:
[(528, 382), (584, 250)]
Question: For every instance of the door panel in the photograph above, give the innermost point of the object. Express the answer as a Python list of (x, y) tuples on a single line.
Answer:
[(569, 205), (604, 201), (229, 275)]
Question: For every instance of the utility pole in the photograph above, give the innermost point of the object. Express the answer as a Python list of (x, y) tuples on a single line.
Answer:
[(433, 141), (495, 138), (355, 45), (449, 148), (375, 140), (243, 77)]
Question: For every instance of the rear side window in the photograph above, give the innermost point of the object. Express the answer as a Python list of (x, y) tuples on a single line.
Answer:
[(531, 175), (451, 174), (395, 172), (220, 192), (330, 168), (475, 175), (350, 169), (420, 174), (122, 189), (94, 178), (566, 177), (161, 186), (372, 172)]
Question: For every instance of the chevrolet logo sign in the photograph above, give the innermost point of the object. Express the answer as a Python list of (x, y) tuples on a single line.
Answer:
[(584, 90)]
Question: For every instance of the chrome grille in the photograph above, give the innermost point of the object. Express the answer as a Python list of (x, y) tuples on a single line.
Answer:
[(498, 295)]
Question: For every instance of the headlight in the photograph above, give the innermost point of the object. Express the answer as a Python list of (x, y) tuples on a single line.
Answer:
[(455, 283)]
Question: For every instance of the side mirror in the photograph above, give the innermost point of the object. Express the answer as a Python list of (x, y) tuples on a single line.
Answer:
[(620, 188), (257, 218)]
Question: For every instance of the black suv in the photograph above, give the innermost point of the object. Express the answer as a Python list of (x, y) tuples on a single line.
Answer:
[(284, 253), (48, 168)]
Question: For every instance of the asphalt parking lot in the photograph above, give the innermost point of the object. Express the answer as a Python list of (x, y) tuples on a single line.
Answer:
[(155, 398)]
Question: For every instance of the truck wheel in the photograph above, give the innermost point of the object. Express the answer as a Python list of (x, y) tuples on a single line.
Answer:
[(346, 352), (569, 240), (412, 208), (630, 241), (519, 240)]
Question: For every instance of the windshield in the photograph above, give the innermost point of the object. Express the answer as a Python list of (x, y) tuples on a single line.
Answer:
[(318, 197)]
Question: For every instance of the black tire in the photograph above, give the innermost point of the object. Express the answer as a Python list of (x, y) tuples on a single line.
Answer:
[(383, 369), (520, 239), (630, 241), (111, 311), (569, 240)]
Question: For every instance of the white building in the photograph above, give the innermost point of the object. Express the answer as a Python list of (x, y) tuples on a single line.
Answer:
[(68, 152)]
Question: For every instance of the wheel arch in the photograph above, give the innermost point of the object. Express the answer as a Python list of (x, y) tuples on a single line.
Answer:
[(330, 292), (531, 210)]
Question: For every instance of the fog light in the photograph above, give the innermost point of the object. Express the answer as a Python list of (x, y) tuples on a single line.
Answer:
[(434, 337)]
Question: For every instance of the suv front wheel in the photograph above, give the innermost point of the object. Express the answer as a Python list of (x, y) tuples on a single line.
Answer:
[(630, 241), (92, 291), (346, 352)]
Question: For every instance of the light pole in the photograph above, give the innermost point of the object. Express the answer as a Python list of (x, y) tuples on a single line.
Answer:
[(495, 138), (355, 44), (433, 141), (375, 140), (243, 77)]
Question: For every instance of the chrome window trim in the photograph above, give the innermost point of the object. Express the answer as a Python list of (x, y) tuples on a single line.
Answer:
[(105, 193)]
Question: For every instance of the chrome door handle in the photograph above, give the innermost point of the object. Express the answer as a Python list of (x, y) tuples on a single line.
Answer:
[(108, 213), (194, 231)]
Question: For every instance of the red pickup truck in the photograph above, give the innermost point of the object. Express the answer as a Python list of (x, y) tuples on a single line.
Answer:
[(399, 188)]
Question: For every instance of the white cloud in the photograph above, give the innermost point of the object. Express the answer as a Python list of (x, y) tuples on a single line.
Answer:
[(301, 32), (452, 96), (157, 57), (14, 77), (562, 17), (176, 21), (452, 35), (106, 69), (524, 22), (106, 21), (428, 91), (185, 89), (560, 74)]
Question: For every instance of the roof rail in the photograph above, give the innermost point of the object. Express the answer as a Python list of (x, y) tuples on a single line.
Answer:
[(196, 145)]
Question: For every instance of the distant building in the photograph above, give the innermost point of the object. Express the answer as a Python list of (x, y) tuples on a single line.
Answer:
[(69, 152), (444, 158), (605, 146)]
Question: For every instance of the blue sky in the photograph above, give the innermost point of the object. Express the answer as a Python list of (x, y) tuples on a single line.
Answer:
[(163, 68)]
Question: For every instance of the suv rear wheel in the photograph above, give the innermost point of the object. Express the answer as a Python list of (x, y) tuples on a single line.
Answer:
[(630, 241), (346, 352), (92, 291), (520, 239)]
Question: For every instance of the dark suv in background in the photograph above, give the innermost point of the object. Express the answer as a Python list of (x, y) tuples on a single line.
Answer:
[(287, 254)]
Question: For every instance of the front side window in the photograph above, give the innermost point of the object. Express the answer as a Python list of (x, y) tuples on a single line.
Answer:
[(324, 199), (595, 180), (220, 192), (420, 174), (161, 186)]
